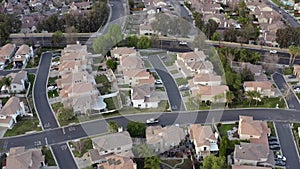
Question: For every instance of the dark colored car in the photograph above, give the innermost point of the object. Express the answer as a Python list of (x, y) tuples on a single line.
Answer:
[(274, 147), (272, 138)]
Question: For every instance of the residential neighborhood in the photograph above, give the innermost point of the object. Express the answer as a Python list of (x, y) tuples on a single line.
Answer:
[(153, 84)]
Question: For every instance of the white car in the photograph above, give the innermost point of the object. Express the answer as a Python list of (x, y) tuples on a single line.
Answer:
[(152, 121), (283, 158), (50, 88), (273, 51), (182, 43), (158, 82)]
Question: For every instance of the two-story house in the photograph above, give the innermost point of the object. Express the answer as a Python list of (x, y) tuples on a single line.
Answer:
[(265, 88), (6, 54), (9, 112), (142, 97), (18, 81), (22, 56), (19, 157), (162, 139), (118, 52), (204, 139)]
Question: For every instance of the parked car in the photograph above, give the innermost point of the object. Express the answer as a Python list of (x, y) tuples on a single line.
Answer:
[(292, 76), (273, 143), (273, 51), (272, 138), (52, 88), (152, 121), (182, 43), (158, 82), (279, 163), (274, 147), (281, 157)]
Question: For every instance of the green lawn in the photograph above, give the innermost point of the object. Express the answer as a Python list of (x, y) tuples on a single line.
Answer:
[(288, 71), (162, 107), (52, 80), (293, 83), (266, 103), (192, 106), (155, 75), (52, 94), (172, 162), (147, 64), (56, 106), (185, 93), (123, 95), (171, 59), (159, 89), (26, 124), (33, 62), (296, 135), (9, 66), (48, 156), (181, 81), (271, 126), (224, 128), (101, 79), (56, 59), (174, 71), (112, 103), (81, 147), (31, 78), (123, 86)]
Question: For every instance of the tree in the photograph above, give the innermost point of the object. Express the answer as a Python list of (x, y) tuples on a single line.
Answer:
[(270, 62), (199, 22), (152, 162), (65, 115), (111, 64), (57, 37), (216, 37), (132, 41), (230, 34), (115, 33), (144, 43), (229, 97), (294, 51), (224, 146), (247, 75), (199, 41), (70, 38), (257, 97), (250, 95), (213, 162), (143, 151), (112, 127), (136, 129), (210, 28)]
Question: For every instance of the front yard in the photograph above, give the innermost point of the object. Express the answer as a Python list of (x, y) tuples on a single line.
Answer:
[(223, 128), (265, 103), (170, 60), (163, 106), (296, 134), (112, 103), (25, 124), (49, 160), (79, 148), (181, 81)]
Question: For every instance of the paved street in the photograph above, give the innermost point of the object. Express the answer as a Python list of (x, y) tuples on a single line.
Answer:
[(43, 108), (65, 159), (174, 96), (287, 144), (284, 133)]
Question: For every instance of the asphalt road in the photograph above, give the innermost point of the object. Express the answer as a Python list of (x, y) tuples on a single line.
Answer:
[(64, 153), (284, 133), (92, 128), (293, 22), (174, 95), (287, 144), (46, 116)]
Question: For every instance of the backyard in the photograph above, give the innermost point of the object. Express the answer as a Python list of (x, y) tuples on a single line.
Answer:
[(223, 128)]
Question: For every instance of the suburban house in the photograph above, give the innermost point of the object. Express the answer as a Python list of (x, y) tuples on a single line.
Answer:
[(119, 52), (18, 81), (142, 97), (253, 154), (248, 167), (204, 139), (205, 79), (6, 54), (22, 56), (130, 62), (73, 78), (265, 88), (135, 77), (162, 139), (191, 63), (9, 112), (210, 93), (116, 143), (297, 70), (77, 86), (256, 131), (19, 157), (115, 162)]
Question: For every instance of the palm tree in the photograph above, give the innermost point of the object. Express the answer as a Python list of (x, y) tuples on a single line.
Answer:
[(144, 151), (297, 53), (257, 96), (250, 96), (292, 52), (152, 162), (229, 97)]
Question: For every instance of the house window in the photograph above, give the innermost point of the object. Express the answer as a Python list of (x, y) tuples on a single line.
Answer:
[(119, 148), (139, 105), (14, 86), (204, 148)]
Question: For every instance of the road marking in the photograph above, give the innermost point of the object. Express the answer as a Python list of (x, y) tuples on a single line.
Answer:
[(72, 128), (46, 140), (63, 147)]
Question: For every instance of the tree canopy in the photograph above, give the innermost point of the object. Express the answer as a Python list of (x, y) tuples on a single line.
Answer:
[(8, 24), (213, 162), (136, 129)]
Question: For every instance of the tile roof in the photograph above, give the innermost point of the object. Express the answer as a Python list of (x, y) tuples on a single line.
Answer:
[(131, 62), (212, 90), (19, 158), (206, 78), (171, 134), (264, 85), (117, 162), (123, 50), (23, 50), (11, 106), (140, 92), (192, 55), (202, 134), (21, 75), (7, 49), (251, 151)]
